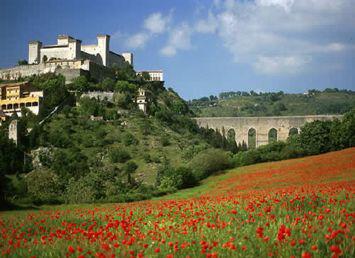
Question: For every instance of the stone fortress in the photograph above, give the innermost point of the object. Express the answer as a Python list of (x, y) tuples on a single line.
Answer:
[(70, 58)]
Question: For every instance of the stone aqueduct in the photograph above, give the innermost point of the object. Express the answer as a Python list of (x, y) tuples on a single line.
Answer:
[(262, 127)]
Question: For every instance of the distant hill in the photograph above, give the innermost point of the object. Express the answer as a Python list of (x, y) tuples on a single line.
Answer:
[(313, 102)]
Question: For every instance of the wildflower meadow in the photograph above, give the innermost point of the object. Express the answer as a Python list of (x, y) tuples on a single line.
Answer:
[(294, 208)]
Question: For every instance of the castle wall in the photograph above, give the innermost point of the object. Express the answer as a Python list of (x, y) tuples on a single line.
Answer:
[(49, 67), (262, 125), (128, 57), (115, 59), (62, 52)]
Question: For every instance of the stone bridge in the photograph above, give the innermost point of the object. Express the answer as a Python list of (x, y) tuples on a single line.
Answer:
[(257, 131)]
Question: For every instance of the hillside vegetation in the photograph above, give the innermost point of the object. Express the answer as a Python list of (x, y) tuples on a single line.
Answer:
[(293, 208), (314, 102), (103, 151), (94, 150)]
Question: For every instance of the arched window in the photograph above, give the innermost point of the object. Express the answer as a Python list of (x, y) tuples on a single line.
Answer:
[(293, 131), (272, 135), (28, 104), (34, 104), (252, 138), (231, 135), (44, 59)]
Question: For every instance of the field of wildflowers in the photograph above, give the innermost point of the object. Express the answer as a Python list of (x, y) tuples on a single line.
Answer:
[(294, 208)]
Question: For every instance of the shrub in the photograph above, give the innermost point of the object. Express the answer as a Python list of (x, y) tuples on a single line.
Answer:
[(43, 186), (129, 139), (164, 140), (130, 167), (119, 155), (80, 192), (209, 161)]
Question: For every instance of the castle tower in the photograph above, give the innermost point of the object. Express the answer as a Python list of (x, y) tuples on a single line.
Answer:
[(75, 48), (128, 57), (34, 52), (103, 43), (13, 133), (63, 40)]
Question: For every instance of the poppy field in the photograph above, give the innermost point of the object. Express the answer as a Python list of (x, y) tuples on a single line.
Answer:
[(294, 208)]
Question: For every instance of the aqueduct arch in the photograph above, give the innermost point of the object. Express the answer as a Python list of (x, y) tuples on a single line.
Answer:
[(283, 126)]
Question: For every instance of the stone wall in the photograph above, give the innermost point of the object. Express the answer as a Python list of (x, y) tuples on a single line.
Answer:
[(69, 69), (101, 95), (262, 125)]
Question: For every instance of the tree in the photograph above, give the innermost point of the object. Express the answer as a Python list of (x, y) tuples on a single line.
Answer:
[(315, 137), (129, 169), (54, 90), (124, 72), (80, 84), (22, 62), (343, 132), (43, 186), (145, 76), (108, 84)]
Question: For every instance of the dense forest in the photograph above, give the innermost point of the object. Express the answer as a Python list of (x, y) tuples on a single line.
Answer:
[(312, 102)]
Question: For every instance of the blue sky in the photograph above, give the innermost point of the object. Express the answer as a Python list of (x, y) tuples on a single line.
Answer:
[(204, 47)]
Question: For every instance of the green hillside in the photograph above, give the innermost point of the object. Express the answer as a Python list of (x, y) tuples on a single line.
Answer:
[(95, 150), (329, 101)]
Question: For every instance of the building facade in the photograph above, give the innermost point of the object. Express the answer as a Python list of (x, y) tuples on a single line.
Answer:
[(154, 75), (142, 100), (15, 96)]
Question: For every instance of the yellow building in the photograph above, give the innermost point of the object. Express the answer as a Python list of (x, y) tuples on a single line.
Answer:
[(15, 96)]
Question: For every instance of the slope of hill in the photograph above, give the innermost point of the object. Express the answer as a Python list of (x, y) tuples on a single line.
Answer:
[(300, 207), (330, 101), (95, 150)]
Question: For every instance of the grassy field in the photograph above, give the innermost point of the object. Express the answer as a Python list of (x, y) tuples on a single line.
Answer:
[(294, 208)]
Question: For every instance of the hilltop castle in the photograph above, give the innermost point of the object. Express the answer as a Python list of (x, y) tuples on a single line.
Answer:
[(70, 58)]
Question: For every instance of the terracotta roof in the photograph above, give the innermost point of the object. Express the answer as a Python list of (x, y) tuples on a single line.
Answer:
[(12, 84)]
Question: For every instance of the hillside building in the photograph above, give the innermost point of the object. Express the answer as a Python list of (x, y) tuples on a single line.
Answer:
[(142, 100), (154, 75), (14, 96)]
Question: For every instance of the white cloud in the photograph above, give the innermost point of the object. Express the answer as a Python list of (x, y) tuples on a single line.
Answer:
[(208, 25), (281, 36), (156, 23), (137, 40), (285, 4), (281, 64), (179, 39)]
